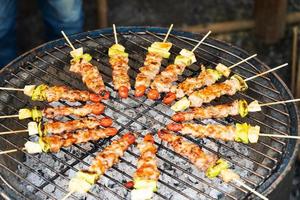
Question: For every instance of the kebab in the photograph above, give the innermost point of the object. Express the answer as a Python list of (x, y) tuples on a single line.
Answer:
[(81, 64), (55, 93), (244, 133), (60, 111), (205, 78), (163, 81), (228, 87), (156, 52), (54, 143), (84, 179), (237, 107), (118, 60), (206, 162), (60, 127), (146, 176)]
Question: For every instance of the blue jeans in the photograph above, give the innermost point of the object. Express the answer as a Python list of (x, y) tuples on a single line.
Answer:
[(58, 15)]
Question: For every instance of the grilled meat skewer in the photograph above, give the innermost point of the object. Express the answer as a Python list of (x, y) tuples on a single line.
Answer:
[(146, 176), (84, 179)]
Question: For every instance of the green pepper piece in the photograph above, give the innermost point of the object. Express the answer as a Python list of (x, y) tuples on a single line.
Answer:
[(217, 75), (243, 108), (241, 133), (214, 171), (39, 93), (87, 57), (36, 114), (41, 133), (44, 144)]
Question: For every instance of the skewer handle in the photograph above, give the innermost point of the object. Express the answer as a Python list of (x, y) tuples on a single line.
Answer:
[(280, 136), (9, 88), (8, 116), (10, 151), (10, 132), (207, 34), (65, 36), (279, 102), (168, 33), (263, 73), (242, 61), (250, 189), (67, 195), (115, 33)]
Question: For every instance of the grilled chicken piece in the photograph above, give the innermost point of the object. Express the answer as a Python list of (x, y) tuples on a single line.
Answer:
[(147, 164), (217, 131), (56, 142), (209, 112), (193, 152), (68, 126), (206, 95), (111, 154), (90, 75), (205, 78), (56, 93), (120, 76), (93, 108), (147, 73)]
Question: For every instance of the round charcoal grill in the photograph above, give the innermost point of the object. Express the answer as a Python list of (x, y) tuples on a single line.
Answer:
[(265, 166)]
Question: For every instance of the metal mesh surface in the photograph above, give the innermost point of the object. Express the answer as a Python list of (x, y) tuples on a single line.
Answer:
[(46, 176)]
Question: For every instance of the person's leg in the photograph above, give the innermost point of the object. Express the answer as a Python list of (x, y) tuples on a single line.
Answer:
[(7, 31), (66, 15)]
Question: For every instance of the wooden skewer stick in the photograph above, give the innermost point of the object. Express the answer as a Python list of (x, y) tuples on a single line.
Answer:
[(168, 33), (10, 151), (67, 195), (250, 189), (242, 61), (65, 36), (279, 136), (115, 34), (207, 34), (10, 132), (8, 116), (279, 102), (263, 73), (9, 88)]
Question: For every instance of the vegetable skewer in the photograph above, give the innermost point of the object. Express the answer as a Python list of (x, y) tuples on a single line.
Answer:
[(54, 143), (55, 93), (146, 176), (84, 179), (237, 107), (228, 87), (81, 64), (52, 112), (205, 78), (60, 127), (244, 133), (118, 60), (163, 81), (156, 52), (207, 162)]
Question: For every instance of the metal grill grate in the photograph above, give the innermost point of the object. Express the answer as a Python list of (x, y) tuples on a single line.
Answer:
[(46, 176)]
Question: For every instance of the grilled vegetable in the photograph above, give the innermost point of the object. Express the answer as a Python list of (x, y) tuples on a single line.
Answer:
[(33, 147), (215, 170), (33, 128), (241, 133), (180, 105), (243, 108), (253, 134), (161, 49), (39, 94), (225, 71), (254, 106), (25, 113), (28, 89)]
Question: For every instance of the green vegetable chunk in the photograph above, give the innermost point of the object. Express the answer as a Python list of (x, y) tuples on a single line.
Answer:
[(217, 75), (243, 108), (241, 133), (39, 93), (182, 60), (145, 184), (214, 171), (44, 144), (36, 114), (89, 177)]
